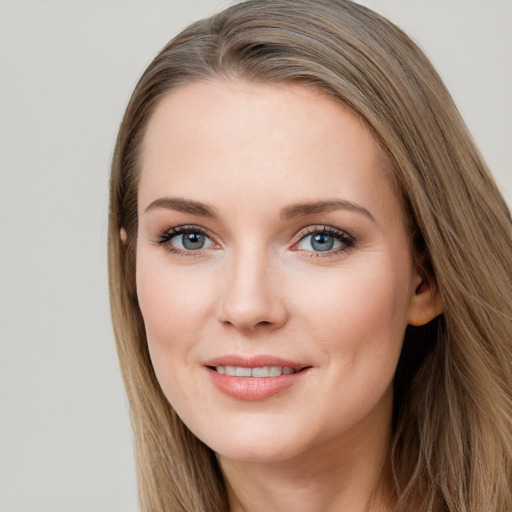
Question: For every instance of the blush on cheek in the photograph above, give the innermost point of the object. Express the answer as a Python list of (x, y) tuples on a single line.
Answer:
[(169, 296), (366, 320)]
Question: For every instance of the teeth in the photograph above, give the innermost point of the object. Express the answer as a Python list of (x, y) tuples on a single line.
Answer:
[(261, 372), (231, 370), (243, 372), (264, 371), (276, 371)]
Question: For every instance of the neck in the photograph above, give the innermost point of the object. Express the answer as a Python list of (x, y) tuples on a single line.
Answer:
[(345, 473)]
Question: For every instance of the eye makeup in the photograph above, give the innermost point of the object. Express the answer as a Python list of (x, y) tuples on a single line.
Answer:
[(324, 241), (315, 241), (187, 240)]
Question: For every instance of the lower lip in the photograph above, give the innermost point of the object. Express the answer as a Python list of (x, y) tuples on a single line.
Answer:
[(253, 388)]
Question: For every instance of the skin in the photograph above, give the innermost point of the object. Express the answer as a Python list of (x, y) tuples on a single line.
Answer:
[(258, 286)]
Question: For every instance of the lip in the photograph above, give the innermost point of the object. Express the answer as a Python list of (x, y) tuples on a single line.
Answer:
[(251, 388), (254, 361)]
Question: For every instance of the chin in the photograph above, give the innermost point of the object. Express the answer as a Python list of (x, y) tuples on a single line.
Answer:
[(257, 445), (259, 452)]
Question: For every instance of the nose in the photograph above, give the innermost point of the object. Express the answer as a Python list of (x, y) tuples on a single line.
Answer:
[(253, 295)]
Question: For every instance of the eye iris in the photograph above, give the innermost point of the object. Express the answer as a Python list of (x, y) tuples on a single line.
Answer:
[(193, 241), (322, 242)]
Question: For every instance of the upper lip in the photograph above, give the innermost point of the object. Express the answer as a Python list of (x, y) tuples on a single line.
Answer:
[(258, 361)]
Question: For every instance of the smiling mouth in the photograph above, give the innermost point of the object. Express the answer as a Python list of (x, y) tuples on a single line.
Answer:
[(258, 372), (256, 378)]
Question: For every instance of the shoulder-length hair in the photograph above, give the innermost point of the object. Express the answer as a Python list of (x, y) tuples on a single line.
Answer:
[(451, 446)]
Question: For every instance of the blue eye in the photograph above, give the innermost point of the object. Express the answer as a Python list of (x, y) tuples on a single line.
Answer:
[(322, 242), (184, 239), (325, 240), (189, 241)]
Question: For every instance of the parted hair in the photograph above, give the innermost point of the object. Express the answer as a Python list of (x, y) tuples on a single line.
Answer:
[(451, 444)]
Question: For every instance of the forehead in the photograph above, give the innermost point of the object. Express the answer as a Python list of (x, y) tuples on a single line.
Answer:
[(286, 140)]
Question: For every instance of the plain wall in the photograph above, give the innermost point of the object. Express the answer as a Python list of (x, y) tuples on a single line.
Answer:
[(67, 68)]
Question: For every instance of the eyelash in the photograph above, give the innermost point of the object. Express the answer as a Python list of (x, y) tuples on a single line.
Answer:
[(165, 238), (347, 241)]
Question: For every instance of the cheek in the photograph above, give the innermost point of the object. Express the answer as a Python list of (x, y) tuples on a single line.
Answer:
[(358, 322), (360, 312), (173, 303)]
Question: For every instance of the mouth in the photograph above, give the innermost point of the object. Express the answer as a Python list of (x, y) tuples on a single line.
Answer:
[(255, 378), (256, 372)]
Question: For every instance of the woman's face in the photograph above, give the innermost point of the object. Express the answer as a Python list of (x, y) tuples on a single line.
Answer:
[(274, 272)]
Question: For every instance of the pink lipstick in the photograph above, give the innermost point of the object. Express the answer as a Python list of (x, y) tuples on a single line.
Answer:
[(254, 378)]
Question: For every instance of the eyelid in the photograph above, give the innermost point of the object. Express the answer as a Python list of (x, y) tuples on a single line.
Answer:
[(164, 237), (346, 239)]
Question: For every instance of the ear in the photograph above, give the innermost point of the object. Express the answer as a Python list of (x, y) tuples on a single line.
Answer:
[(122, 235), (425, 303)]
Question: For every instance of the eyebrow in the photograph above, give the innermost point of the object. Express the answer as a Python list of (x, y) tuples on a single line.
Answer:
[(302, 209), (287, 213), (182, 205)]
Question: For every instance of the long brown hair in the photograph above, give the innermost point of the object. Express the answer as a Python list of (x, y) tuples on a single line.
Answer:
[(451, 446)]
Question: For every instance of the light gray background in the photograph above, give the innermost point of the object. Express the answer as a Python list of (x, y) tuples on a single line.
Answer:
[(67, 68)]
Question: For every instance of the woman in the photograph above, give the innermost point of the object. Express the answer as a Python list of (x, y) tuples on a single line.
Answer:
[(310, 270)]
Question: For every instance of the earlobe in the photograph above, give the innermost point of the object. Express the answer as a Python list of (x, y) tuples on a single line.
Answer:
[(122, 235), (425, 303)]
